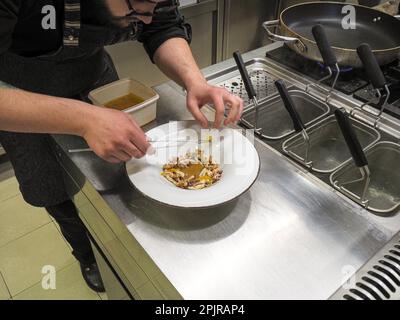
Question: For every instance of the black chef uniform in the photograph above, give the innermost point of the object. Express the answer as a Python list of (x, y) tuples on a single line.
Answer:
[(68, 61)]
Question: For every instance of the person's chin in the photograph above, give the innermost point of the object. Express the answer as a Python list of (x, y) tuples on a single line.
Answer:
[(123, 23)]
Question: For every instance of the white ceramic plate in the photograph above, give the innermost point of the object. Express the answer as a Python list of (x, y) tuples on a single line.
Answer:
[(235, 153)]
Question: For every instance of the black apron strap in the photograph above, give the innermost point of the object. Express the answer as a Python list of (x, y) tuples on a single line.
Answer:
[(72, 23)]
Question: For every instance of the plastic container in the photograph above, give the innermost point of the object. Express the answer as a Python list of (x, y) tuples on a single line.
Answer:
[(143, 113)]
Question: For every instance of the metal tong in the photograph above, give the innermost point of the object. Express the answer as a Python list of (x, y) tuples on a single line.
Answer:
[(209, 140), (249, 87), (376, 77), (328, 57), (358, 156)]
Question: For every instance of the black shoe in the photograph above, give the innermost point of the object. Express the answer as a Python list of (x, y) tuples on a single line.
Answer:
[(91, 274)]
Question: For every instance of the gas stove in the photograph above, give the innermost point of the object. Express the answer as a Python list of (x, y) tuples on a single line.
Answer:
[(351, 81)]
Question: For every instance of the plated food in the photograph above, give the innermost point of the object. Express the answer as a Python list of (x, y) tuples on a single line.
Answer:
[(193, 171), (231, 152)]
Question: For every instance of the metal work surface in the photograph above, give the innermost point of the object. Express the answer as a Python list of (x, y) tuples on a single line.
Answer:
[(379, 279), (290, 236)]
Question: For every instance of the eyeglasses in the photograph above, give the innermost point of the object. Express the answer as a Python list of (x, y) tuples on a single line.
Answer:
[(133, 13)]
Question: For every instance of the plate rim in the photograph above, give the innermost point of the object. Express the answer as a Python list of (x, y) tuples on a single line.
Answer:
[(198, 207)]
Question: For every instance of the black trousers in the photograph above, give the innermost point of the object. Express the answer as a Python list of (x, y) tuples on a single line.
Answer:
[(73, 230)]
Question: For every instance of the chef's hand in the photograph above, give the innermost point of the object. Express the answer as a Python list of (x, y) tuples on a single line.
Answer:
[(115, 136), (202, 94)]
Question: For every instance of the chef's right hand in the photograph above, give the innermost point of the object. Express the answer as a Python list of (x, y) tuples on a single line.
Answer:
[(115, 136)]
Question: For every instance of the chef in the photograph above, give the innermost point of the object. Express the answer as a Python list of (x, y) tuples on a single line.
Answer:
[(51, 56)]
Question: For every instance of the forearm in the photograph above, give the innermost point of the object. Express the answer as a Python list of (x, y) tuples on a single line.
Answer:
[(176, 60), (22, 111)]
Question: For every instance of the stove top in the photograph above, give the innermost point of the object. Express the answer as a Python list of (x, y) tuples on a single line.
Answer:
[(351, 81)]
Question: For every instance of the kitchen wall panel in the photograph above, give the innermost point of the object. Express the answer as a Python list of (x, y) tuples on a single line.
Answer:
[(132, 61), (243, 24)]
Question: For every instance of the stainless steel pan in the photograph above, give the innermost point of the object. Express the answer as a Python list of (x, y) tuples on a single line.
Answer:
[(372, 26)]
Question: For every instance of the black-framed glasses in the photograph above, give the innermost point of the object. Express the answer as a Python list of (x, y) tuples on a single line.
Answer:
[(133, 14)]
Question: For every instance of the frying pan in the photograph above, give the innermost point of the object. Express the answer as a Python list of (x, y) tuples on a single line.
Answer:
[(377, 28)]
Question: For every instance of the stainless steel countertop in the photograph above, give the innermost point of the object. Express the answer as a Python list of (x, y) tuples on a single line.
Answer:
[(290, 236)]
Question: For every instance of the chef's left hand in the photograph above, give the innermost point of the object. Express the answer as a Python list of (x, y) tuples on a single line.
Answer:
[(202, 94)]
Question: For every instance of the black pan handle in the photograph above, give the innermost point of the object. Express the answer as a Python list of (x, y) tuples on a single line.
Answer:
[(324, 46), (351, 139), (371, 66), (245, 75), (290, 106)]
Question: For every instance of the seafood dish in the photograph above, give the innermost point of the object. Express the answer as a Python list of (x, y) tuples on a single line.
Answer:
[(192, 171)]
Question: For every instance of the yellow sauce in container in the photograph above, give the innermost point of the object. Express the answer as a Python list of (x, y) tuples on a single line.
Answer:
[(124, 102)]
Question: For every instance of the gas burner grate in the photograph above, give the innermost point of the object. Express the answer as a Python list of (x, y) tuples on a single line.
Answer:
[(262, 81), (379, 279)]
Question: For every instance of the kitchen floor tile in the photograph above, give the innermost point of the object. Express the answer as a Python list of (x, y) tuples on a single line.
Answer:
[(80, 200), (6, 169), (103, 296), (59, 230), (149, 292), (69, 286), (8, 188), (17, 218), (4, 293), (22, 260)]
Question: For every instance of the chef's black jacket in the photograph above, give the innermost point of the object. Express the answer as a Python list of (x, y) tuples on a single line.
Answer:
[(42, 61), (22, 33)]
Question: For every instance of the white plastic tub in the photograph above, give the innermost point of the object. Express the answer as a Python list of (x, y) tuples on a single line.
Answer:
[(143, 113)]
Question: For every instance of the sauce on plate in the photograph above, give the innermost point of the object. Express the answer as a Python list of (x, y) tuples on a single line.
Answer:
[(192, 170)]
